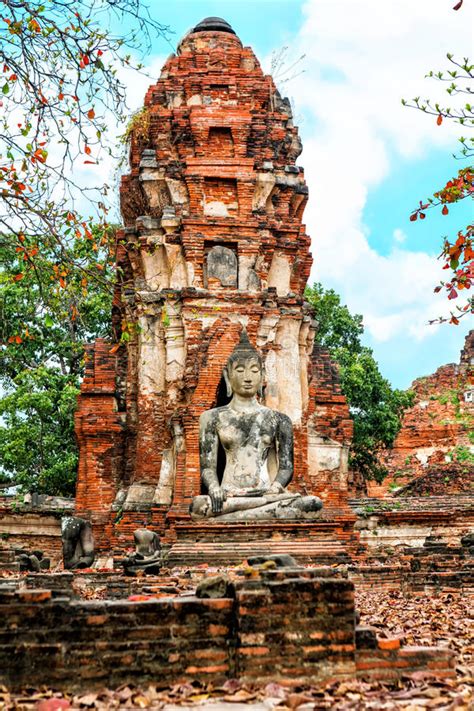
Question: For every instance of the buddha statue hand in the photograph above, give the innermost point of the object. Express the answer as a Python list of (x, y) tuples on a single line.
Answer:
[(217, 496)]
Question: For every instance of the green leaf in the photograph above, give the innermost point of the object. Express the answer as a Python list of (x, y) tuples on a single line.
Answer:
[(48, 321), (5, 88)]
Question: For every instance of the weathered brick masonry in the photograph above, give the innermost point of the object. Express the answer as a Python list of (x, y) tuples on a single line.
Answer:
[(435, 440), (32, 527), (294, 625), (213, 240)]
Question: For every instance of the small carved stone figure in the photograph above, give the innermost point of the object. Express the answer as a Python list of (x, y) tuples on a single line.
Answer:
[(258, 446), (31, 561), (147, 556), (78, 543)]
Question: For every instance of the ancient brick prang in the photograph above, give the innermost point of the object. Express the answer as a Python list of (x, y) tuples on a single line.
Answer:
[(213, 241), (437, 431)]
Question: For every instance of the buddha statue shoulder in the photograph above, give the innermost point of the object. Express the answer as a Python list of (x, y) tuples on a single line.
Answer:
[(258, 447)]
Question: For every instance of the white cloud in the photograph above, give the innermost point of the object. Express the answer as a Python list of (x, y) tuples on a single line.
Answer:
[(399, 235), (361, 59)]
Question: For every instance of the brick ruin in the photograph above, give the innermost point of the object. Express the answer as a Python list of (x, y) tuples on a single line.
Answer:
[(213, 240), (434, 450), (293, 625)]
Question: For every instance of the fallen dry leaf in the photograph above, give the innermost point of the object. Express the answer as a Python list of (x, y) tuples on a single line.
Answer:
[(240, 695), (87, 700)]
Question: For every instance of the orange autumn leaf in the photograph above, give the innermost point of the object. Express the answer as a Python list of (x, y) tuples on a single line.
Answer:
[(18, 277), (87, 150), (40, 155), (445, 210), (91, 114), (439, 120)]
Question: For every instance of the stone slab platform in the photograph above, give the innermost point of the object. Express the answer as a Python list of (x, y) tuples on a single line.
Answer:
[(321, 543)]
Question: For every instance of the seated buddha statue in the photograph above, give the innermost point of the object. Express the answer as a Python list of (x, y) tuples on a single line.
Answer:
[(147, 555), (258, 446)]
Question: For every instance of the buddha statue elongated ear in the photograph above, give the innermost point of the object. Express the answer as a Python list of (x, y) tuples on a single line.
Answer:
[(228, 386), (262, 383)]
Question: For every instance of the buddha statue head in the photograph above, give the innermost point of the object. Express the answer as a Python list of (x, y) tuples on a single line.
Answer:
[(243, 372)]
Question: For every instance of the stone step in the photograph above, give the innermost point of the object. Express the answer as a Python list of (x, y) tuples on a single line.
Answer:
[(414, 504), (11, 567), (6, 555), (323, 552)]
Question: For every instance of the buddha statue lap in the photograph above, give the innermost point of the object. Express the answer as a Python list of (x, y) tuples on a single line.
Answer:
[(147, 555), (258, 446)]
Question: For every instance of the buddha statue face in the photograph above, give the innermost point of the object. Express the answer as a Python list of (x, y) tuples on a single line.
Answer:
[(243, 373), (245, 377)]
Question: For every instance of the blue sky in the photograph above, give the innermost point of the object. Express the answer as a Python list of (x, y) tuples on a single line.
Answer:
[(367, 159)]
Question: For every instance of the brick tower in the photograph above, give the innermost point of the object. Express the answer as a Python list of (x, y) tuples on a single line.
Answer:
[(212, 241)]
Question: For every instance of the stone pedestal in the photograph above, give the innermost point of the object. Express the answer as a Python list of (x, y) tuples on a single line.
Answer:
[(320, 542)]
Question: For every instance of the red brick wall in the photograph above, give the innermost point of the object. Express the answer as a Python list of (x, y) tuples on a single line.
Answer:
[(289, 626), (439, 423)]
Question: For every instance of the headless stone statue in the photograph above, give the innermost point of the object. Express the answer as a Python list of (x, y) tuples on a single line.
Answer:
[(147, 556), (78, 543), (258, 445)]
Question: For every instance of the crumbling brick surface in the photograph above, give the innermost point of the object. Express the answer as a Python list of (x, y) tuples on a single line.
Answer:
[(436, 437), (213, 240), (294, 625), (31, 528)]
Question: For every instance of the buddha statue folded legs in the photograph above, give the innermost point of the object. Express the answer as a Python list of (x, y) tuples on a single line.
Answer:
[(147, 555), (258, 446)]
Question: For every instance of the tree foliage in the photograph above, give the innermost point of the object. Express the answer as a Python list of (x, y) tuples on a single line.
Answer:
[(45, 328), (375, 406), (60, 91), (457, 253)]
